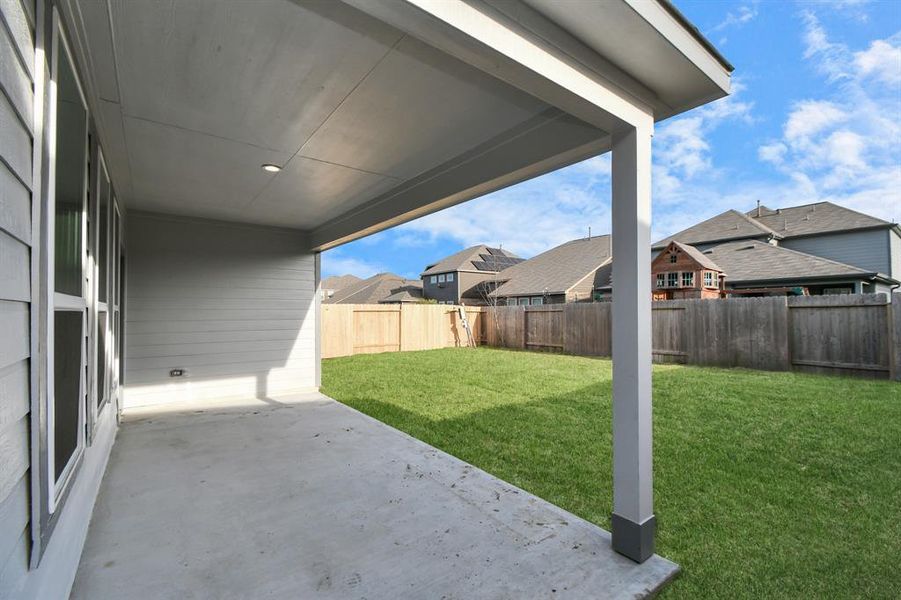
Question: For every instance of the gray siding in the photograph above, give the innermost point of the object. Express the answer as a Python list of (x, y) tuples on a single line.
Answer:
[(895, 249), (232, 305), (442, 292), (16, 131), (863, 249)]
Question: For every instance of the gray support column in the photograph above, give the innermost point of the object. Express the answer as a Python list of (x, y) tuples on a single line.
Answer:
[(633, 522)]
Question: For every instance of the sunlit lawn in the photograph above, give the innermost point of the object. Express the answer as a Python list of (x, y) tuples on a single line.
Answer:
[(766, 484)]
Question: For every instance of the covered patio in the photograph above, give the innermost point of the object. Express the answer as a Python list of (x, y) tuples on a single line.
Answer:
[(304, 497), (179, 167)]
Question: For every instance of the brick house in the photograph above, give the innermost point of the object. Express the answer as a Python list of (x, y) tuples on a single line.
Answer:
[(681, 272)]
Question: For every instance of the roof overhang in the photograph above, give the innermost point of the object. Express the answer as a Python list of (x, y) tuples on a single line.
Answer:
[(378, 111)]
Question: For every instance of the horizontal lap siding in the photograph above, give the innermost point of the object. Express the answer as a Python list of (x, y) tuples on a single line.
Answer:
[(232, 305), (867, 250), (16, 118)]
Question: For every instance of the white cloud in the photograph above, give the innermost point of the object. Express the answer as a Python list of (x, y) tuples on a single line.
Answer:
[(882, 61), (335, 263), (744, 14), (846, 146), (812, 116)]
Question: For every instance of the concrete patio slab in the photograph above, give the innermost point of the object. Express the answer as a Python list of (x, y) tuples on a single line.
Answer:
[(305, 497)]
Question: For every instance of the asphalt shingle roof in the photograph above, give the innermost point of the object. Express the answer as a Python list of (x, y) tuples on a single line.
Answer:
[(372, 290), (750, 260), (475, 258), (405, 293), (725, 226), (339, 282), (556, 270), (699, 257), (808, 219)]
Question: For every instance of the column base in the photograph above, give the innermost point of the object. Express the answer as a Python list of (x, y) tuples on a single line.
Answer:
[(631, 539)]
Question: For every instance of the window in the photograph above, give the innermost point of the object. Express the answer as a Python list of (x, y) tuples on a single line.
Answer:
[(433, 279), (710, 279), (67, 207), (537, 300), (688, 279), (673, 258), (441, 278), (450, 277), (523, 301), (661, 280), (672, 279)]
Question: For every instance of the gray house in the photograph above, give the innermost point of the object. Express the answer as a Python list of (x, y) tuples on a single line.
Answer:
[(171, 173), (823, 229), (569, 272), (372, 290), (467, 276)]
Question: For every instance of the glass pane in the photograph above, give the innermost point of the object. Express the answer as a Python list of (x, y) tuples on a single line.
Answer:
[(71, 146), (101, 358), (67, 346), (102, 250)]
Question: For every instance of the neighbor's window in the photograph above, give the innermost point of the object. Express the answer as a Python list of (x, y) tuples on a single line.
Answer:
[(661, 280), (673, 258), (441, 279), (672, 279), (450, 277), (537, 300), (523, 301), (433, 279), (688, 279)]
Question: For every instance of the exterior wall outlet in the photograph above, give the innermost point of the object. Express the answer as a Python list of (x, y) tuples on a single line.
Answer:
[(176, 372)]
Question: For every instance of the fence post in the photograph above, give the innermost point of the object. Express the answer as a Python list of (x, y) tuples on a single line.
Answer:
[(894, 335)]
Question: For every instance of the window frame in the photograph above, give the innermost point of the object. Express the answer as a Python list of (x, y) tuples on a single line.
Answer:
[(687, 279), (441, 278), (660, 280), (673, 258), (450, 277), (58, 301), (672, 279), (433, 279)]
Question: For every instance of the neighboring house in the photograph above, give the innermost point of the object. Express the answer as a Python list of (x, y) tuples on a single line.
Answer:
[(409, 293), (569, 272), (332, 284), (684, 272), (755, 268), (467, 276), (373, 290), (822, 229)]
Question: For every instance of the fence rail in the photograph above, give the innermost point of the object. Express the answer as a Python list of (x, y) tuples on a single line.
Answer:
[(850, 335), (857, 335)]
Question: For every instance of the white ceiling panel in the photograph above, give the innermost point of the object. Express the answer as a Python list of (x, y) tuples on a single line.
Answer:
[(307, 192), (182, 167), (266, 72), (417, 109)]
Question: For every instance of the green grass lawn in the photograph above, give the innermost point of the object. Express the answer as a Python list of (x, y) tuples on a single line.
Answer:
[(767, 485)]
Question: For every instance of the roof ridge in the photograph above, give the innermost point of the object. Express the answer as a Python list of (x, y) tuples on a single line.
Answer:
[(753, 221)]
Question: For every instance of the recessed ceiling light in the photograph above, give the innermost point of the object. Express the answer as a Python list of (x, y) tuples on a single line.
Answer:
[(271, 168)]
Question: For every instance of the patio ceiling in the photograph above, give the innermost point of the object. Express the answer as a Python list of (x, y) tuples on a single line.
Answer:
[(378, 111), (201, 93)]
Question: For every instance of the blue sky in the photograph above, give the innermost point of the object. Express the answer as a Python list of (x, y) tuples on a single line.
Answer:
[(815, 115)]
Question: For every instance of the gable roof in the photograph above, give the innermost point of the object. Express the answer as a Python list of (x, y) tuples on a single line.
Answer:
[(696, 255), (372, 290), (556, 270), (729, 225), (753, 260), (475, 258), (809, 219), (338, 282)]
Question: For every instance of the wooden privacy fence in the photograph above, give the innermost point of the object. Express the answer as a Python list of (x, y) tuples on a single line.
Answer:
[(349, 329), (850, 334)]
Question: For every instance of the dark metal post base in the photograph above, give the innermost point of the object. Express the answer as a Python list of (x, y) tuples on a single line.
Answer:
[(631, 539)]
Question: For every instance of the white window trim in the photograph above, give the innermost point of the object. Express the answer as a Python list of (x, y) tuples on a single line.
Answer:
[(687, 278), (660, 280), (57, 301), (433, 279), (441, 278), (450, 277)]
